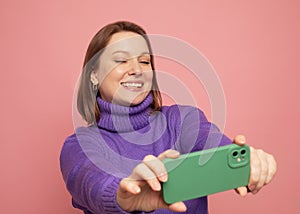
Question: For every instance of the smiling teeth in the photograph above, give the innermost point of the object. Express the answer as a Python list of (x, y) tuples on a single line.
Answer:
[(131, 84)]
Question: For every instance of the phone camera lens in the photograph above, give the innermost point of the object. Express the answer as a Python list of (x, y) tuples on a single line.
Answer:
[(235, 154), (243, 151)]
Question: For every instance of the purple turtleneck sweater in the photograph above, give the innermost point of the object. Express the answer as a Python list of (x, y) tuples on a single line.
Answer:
[(95, 159)]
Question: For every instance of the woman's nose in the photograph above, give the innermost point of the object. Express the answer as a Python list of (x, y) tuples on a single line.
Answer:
[(135, 67)]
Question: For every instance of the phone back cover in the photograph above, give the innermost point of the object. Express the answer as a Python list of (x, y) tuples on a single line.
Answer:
[(206, 172)]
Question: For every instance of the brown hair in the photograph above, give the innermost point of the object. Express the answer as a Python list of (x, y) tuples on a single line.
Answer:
[(86, 98)]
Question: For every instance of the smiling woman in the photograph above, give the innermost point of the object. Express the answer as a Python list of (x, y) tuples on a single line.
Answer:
[(108, 47), (125, 72), (115, 164)]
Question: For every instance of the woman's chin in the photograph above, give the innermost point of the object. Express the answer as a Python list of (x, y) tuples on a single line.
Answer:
[(130, 102), (137, 101)]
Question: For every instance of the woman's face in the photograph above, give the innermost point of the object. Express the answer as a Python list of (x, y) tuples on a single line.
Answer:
[(125, 72)]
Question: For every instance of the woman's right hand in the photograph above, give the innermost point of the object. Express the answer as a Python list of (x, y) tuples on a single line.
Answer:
[(141, 191)]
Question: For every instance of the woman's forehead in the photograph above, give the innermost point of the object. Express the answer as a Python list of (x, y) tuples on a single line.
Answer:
[(127, 42)]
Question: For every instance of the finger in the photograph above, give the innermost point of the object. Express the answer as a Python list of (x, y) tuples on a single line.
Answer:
[(255, 169), (240, 140), (157, 167), (177, 207), (242, 191), (263, 172), (129, 185), (143, 172), (169, 154), (272, 168)]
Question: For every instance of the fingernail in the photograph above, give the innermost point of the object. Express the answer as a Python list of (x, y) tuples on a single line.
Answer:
[(163, 177), (156, 185), (242, 139), (251, 187), (174, 152), (136, 189)]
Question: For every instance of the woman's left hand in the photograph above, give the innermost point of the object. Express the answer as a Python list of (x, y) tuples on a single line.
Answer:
[(263, 168)]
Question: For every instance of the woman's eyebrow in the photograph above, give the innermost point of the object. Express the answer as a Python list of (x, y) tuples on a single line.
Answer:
[(126, 52), (145, 53)]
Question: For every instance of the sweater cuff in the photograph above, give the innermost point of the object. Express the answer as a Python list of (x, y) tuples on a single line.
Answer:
[(110, 203)]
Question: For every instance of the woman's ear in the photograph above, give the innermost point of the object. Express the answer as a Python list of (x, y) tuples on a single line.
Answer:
[(94, 78)]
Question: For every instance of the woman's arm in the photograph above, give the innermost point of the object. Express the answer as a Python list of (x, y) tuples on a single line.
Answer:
[(91, 188), (98, 192), (198, 133)]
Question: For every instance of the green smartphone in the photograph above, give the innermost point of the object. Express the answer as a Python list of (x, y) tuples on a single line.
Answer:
[(206, 172)]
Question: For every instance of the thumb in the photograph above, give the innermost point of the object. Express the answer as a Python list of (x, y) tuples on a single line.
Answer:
[(242, 191), (240, 140), (178, 207)]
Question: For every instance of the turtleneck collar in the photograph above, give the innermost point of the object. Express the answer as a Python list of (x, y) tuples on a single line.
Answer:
[(119, 118)]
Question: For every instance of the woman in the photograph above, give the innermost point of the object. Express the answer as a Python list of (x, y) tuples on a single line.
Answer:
[(115, 164)]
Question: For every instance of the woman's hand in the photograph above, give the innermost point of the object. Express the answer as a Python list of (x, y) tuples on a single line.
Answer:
[(263, 168), (141, 191)]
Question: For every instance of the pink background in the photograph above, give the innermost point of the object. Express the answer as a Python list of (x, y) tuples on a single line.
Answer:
[(253, 45)]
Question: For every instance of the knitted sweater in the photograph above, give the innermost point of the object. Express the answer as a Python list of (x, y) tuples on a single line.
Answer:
[(94, 159)]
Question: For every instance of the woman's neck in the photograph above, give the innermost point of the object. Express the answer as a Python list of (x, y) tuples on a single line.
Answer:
[(119, 118)]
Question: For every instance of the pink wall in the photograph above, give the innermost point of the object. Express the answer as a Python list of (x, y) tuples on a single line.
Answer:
[(254, 46)]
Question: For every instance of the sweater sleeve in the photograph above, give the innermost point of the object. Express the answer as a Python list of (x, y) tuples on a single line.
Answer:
[(197, 133), (92, 190)]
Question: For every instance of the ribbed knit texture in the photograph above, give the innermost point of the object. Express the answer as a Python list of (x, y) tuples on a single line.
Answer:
[(95, 159), (122, 118)]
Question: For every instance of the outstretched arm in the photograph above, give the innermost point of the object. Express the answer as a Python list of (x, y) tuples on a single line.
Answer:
[(91, 188)]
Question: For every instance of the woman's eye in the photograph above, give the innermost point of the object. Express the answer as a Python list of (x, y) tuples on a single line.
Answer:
[(120, 60), (145, 62)]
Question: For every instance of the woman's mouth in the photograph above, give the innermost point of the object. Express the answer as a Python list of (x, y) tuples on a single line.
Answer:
[(132, 85)]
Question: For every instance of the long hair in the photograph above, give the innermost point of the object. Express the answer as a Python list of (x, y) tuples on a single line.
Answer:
[(86, 98)]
